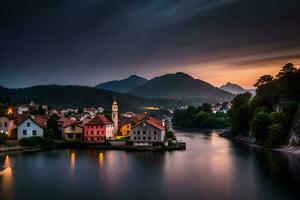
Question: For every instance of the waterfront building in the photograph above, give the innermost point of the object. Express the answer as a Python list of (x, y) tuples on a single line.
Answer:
[(72, 130), (8, 126), (98, 130), (148, 132), (29, 127)]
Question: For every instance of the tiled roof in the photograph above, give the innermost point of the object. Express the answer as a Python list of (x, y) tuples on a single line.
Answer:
[(99, 120), (40, 121), (155, 123)]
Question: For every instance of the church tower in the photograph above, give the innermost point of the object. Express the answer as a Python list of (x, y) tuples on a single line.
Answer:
[(115, 114)]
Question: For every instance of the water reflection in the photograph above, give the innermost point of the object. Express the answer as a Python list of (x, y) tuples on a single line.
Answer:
[(72, 160), (101, 159), (6, 179)]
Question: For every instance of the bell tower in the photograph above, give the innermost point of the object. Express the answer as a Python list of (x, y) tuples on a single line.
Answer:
[(115, 114)]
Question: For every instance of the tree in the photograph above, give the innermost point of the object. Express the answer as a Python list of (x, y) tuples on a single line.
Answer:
[(259, 127), (206, 107), (170, 134), (277, 134), (240, 114), (50, 133), (287, 69), (263, 80), (278, 118)]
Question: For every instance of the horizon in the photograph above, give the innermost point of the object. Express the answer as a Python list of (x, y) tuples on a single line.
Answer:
[(91, 42)]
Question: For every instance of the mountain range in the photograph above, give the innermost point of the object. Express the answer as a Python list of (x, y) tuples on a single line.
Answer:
[(57, 96), (123, 86), (236, 89), (181, 86), (134, 93)]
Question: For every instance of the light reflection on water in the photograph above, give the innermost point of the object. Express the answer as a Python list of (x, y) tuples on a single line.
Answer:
[(210, 168)]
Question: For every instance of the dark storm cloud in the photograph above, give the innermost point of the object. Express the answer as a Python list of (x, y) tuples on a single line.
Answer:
[(90, 41)]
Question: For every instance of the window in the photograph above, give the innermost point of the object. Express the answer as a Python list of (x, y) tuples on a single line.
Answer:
[(70, 135), (34, 132), (138, 132), (139, 138), (144, 132), (144, 138), (133, 132), (102, 132), (78, 136), (154, 132), (73, 127), (98, 132), (5, 124), (127, 126), (28, 124), (149, 138), (128, 131), (134, 138), (154, 138), (24, 132), (92, 132)]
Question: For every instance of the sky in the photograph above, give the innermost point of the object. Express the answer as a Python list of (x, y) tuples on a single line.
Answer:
[(86, 42)]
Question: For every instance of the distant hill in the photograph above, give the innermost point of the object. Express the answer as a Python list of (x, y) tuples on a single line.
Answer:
[(80, 96), (233, 88), (181, 86), (123, 86)]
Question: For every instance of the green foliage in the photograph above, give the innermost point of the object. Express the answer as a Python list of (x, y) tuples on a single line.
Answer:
[(50, 133), (196, 118), (278, 118), (259, 126), (240, 113), (170, 134), (37, 142), (280, 93), (3, 137), (52, 124), (277, 134), (206, 107)]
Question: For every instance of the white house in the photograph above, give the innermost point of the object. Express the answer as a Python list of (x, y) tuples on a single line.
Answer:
[(30, 128), (149, 132)]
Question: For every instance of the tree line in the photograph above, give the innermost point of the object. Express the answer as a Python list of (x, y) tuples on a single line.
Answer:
[(268, 116)]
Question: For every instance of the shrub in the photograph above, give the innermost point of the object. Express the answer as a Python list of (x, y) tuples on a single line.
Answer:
[(3, 137), (259, 127), (278, 118), (37, 142), (170, 134), (277, 134)]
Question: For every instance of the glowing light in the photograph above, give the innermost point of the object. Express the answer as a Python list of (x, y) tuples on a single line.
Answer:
[(151, 108), (9, 110), (101, 159), (72, 160)]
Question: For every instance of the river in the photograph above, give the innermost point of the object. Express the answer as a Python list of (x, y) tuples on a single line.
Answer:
[(210, 168)]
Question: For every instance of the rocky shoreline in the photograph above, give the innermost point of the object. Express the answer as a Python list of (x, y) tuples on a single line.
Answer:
[(250, 141)]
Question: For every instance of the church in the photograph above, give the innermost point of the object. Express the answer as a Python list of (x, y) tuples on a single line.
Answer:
[(100, 128)]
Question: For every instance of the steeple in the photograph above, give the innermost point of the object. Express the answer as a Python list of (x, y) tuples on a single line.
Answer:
[(115, 114)]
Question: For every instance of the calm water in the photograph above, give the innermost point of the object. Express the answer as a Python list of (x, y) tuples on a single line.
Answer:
[(210, 168)]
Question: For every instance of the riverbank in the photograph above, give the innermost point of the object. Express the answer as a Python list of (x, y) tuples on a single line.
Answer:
[(12, 147), (250, 141)]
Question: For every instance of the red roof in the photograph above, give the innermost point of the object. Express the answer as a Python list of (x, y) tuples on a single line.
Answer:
[(99, 120), (155, 123), (41, 121)]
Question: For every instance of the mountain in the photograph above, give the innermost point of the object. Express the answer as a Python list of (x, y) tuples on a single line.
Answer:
[(181, 86), (123, 86), (233, 88), (57, 96)]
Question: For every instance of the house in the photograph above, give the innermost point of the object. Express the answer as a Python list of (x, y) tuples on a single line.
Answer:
[(98, 130), (148, 132), (29, 127), (125, 127), (8, 126), (72, 130)]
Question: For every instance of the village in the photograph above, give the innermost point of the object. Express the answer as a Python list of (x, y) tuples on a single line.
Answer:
[(90, 126)]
